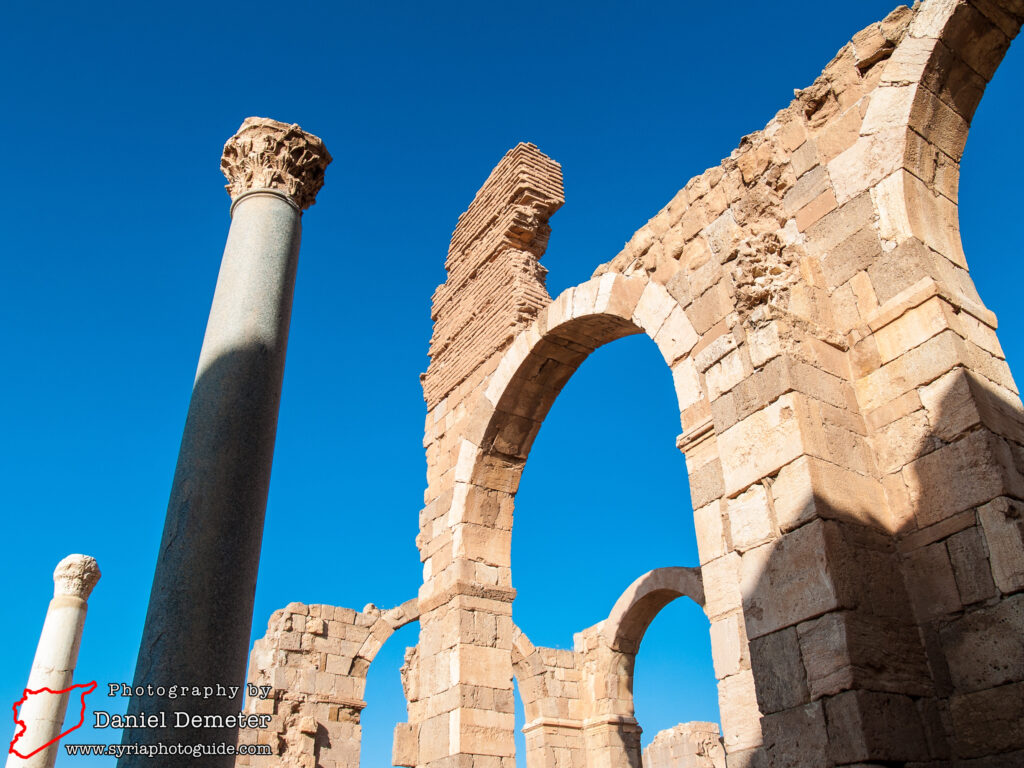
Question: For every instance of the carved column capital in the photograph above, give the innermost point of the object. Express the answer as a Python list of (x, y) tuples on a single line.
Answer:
[(267, 154), (76, 575)]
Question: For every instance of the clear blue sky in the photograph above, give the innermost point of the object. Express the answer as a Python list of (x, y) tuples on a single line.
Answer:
[(112, 223)]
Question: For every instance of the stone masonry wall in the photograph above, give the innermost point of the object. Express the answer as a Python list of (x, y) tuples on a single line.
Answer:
[(852, 432), (314, 659), (853, 437), (687, 745)]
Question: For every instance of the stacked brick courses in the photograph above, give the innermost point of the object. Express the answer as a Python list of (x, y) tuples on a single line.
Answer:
[(495, 282)]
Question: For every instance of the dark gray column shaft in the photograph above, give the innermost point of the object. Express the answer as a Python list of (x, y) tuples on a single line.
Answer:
[(200, 609)]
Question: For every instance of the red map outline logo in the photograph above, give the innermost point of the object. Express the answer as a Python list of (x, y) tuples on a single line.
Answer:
[(20, 724)]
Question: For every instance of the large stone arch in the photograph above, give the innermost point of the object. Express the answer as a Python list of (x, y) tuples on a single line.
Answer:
[(914, 131), (852, 433)]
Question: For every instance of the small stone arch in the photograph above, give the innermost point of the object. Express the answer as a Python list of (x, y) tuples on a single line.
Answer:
[(634, 611)]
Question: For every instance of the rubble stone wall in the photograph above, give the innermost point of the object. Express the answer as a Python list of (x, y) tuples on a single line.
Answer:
[(687, 745), (314, 660)]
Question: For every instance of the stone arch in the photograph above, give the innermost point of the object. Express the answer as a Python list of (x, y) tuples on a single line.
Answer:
[(547, 679), (806, 294), (916, 125), (636, 608), (504, 418), (542, 358)]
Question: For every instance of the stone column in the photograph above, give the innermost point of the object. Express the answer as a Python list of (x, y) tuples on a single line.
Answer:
[(53, 667), (200, 608)]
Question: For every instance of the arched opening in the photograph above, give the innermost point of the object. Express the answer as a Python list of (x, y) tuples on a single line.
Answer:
[(503, 417), (385, 697), (672, 689), (606, 498)]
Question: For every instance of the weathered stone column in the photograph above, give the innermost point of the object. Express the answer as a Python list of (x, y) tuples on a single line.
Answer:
[(53, 667), (200, 608)]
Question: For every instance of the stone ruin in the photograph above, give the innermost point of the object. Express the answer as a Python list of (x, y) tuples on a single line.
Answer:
[(852, 433)]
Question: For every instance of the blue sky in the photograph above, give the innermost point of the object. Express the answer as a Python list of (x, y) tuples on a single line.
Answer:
[(112, 222)]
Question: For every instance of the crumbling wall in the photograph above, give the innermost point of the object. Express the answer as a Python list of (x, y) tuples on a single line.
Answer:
[(687, 745), (313, 661), (495, 284)]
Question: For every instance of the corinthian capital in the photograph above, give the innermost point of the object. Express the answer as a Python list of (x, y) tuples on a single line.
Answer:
[(267, 154)]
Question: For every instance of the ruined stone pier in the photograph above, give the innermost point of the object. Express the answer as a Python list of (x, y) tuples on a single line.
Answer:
[(200, 609)]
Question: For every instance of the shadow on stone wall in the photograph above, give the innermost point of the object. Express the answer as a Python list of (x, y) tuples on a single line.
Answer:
[(894, 640)]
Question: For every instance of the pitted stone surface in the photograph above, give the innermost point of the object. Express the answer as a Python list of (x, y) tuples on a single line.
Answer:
[(76, 575)]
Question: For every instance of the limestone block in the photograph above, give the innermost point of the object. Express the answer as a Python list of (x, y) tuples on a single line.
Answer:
[(708, 522), (869, 160), (959, 400), (808, 186), (687, 384), (990, 721), (763, 344), (750, 519), (778, 671), (889, 110), (725, 374), (848, 649), (913, 328), (741, 721), (722, 235), (653, 308), (983, 648), (835, 226), (933, 218), (760, 444), (797, 738), (931, 582), (483, 732), (482, 543), (729, 647), (433, 738), (901, 442), (617, 295), (491, 667), (810, 487), (968, 473), (706, 482), (722, 585), (1003, 524), (872, 726), (787, 581), (816, 210), (837, 436), (585, 297), (971, 566), (712, 306), (902, 406), (676, 336), (921, 365)]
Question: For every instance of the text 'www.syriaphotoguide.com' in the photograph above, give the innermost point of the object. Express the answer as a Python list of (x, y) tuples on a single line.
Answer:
[(158, 750)]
